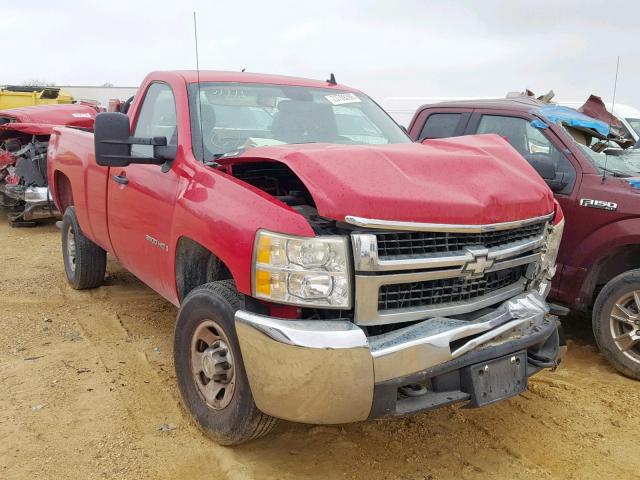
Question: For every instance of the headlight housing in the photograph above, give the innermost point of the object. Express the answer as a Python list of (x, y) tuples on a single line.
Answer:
[(549, 256), (304, 271), (550, 253)]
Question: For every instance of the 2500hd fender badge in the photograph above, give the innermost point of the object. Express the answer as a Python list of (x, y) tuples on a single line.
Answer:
[(156, 242), (588, 202)]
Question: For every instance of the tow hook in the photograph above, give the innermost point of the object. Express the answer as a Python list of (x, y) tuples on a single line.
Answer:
[(413, 390)]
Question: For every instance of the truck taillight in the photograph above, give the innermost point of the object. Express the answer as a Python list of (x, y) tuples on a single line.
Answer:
[(114, 105)]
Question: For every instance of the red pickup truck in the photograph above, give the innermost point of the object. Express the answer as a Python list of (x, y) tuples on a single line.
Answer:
[(600, 255), (327, 269)]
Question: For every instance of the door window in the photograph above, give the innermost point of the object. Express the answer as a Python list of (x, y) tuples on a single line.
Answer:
[(440, 125), (529, 142), (157, 118)]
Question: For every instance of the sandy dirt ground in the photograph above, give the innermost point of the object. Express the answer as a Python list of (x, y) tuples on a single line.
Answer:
[(88, 391)]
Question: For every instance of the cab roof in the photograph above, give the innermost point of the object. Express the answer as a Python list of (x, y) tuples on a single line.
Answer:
[(191, 76), (523, 104)]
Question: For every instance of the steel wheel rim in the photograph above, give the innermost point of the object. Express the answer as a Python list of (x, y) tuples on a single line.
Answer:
[(71, 248), (624, 325), (212, 364)]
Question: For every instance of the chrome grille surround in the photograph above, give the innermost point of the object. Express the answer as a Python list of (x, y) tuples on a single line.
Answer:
[(464, 266)]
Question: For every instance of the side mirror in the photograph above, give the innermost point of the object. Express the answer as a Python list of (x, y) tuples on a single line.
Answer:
[(543, 164), (546, 168), (113, 143)]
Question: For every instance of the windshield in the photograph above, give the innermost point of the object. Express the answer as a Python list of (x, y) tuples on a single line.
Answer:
[(236, 116), (624, 163), (635, 124)]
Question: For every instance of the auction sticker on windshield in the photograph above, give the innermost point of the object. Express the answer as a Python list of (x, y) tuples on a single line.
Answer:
[(342, 98)]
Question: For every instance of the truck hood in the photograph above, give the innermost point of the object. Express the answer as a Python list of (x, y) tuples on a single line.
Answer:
[(471, 180), (40, 120)]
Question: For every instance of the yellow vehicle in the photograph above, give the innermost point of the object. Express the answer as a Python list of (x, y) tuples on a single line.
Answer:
[(18, 96)]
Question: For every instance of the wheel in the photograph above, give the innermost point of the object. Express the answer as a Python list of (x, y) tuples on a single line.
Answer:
[(209, 369), (616, 322), (85, 263)]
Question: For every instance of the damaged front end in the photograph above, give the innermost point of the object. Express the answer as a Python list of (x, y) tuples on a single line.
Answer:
[(23, 179), (24, 139), (392, 317)]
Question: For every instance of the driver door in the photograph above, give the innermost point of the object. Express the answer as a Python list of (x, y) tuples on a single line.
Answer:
[(142, 198)]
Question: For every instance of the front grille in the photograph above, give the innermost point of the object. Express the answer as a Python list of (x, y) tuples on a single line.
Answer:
[(445, 290), (394, 244)]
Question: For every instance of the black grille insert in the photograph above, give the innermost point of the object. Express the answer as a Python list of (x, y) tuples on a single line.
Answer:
[(445, 290), (393, 244)]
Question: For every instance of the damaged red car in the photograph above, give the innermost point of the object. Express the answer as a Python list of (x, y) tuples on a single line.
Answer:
[(24, 138)]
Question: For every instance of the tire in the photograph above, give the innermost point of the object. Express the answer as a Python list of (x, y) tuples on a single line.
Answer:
[(85, 263), (616, 329), (204, 328)]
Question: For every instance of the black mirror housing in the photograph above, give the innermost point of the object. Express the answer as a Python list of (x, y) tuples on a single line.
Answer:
[(113, 143), (543, 164), (112, 130)]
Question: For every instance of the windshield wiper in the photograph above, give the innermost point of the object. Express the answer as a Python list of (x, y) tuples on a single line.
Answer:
[(230, 153)]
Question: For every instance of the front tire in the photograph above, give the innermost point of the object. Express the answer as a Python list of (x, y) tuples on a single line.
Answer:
[(616, 323), (209, 368), (85, 263)]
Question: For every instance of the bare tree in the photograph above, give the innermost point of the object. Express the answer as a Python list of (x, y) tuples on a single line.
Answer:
[(107, 84), (36, 82)]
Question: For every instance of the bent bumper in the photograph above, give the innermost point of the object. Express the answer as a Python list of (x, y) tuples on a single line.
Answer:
[(37, 202), (27, 194), (326, 372)]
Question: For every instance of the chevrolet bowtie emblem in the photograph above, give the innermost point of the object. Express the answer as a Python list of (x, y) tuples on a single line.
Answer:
[(480, 263)]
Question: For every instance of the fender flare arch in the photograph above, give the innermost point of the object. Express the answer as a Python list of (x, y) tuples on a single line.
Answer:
[(62, 191), (605, 253), (196, 265), (610, 237)]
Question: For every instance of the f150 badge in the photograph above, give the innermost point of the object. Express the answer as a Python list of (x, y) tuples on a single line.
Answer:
[(588, 202)]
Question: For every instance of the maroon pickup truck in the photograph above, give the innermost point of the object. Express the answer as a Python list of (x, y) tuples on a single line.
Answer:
[(327, 268), (600, 253)]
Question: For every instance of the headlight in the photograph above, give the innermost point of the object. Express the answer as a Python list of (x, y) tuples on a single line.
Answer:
[(550, 253), (305, 271)]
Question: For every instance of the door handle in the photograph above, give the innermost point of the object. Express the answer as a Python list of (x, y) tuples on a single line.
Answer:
[(121, 179)]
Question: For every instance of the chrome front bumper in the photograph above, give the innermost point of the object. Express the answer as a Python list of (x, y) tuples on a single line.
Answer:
[(327, 372), (28, 194)]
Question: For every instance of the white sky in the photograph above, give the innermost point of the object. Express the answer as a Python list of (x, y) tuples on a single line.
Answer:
[(392, 48)]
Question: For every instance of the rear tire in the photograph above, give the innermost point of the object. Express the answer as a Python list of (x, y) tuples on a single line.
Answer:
[(209, 368), (616, 323), (85, 263)]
